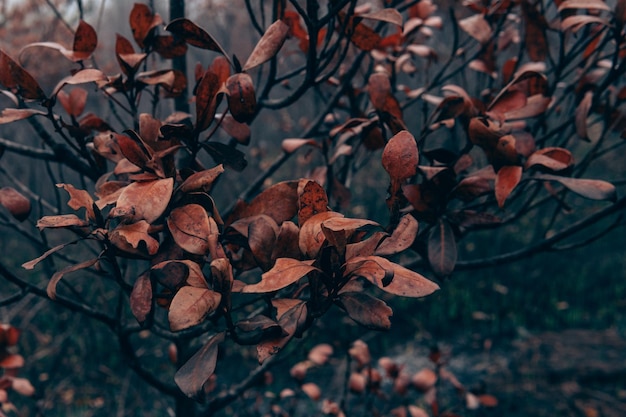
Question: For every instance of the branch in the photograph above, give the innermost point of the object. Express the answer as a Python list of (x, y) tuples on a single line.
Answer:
[(546, 244)]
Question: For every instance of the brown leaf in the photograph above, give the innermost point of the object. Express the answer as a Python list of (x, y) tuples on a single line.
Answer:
[(534, 34), (144, 200), (12, 361), (142, 22), (51, 289), (257, 329), (127, 238), (190, 228), (367, 310), (141, 298), (401, 239), (280, 202), (378, 88), (190, 306), (312, 390), (388, 15), (201, 181), (424, 379), (285, 272), (291, 318), (241, 97), (312, 238), (13, 115), (18, 205), (583, 4), (22, 386), (85, 41), (268, 46), (60, 221), (291, 145), (18, 80), (553, 158), (79, 199), (133, 149), (362, 36), (169, 47), (320, 354), (239, 131), (339, 230), (442, 250), (81, 77), (227, 155), (591, 189), (262, 233), (507, 179), (312, 199), (477, 27), (206, 100), (192, 377), (173, 274), (194, 35), (390, 277), (31, 264), (400, 156), (74, 102)]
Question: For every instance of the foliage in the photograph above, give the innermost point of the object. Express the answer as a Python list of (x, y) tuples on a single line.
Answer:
[(207, 277)]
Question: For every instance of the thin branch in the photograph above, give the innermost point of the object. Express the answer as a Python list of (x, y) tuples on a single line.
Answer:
[(546, 244)]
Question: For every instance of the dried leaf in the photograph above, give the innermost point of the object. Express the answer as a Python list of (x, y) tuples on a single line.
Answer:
[(142, 22), (127, 238), (239, 131), (141, 298), (241, 97), (51, 289), (194, 35), (477, 27), (79, 199), (18, 205), (400, 156), (292, 145), (13, 115), (192, 377), (285, 272), (22, 386), (390, 277), (190, 306), (190, 228), (591, 189), (367, 310), (257, 329), (583, 4), (280, 202), (31, 264), (291, 318), (442, 250), (74, 102), (85, 41), (388, 15), (60, 221), (201, 181), (534, 34), (206, 100), (507, 179), (320, 354), (401, 239), (268, 46), (18, 80), (312, 238), (552, 158), (312, 199), (144, 200)]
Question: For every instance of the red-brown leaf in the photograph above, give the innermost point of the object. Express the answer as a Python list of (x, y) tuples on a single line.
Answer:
[(280, 202), (477, 27), (192, 377), (85, 41), (312, 199), (18, 205), (190, 228), (390, 277), (268, 46), (142, 22), (144, 200), (194, 35), (312, 238), (582, 111), (74, 102), (127, 238), (51, 289), (388, 15), (591, 189), (60, 221), (13, 115), (367, 310), (285, 272), (18, 80), (190, 306), (141, 298), (400, 156), (507, 179), (401, 239), (79, 199), (442, 250), (241, 97), (206, 100), (291, 317), (201, 181)]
